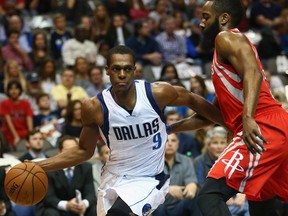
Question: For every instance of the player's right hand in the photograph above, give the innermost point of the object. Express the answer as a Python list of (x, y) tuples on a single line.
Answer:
[(252, 136)]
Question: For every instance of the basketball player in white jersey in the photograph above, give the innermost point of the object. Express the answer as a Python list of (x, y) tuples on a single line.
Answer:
[(129, 117)]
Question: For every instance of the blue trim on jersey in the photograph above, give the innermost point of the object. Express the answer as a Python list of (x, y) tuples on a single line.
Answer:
[(152, 101), (105, 126)]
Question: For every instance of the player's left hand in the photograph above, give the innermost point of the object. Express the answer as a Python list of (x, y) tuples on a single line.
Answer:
[(252, 136)]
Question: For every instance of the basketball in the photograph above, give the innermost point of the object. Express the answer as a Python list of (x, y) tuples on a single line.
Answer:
[(26, 184)]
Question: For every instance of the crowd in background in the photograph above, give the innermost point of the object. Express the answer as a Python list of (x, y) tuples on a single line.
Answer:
[(53, 56)]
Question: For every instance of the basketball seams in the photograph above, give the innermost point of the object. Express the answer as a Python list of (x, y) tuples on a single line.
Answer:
[(29, 172), (27, 185)]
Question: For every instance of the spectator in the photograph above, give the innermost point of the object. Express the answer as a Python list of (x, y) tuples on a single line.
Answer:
[(34, 145), (173, 46), (198, 86), (45, 114), (14, 51), (58, 36), (103, 50), (73, 10), (67, 90), (147, 49), (117, 7), (265, 13), (33, 89), (187, 143), (159, 13), (61, 195), (48, 76), (138, 73), (16, 23), (183, 183), (17, 114), (81, 68), (73, 124), (40, 48), (97, 82), (40, 7), (216, 142), (101, 23), (118, 32), (12, 71), (137, 10), (98, 163), (79, 46), (86, 21), (5, 203), (169, 74)]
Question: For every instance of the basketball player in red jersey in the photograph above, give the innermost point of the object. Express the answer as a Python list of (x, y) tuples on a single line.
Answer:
[(256, 161)]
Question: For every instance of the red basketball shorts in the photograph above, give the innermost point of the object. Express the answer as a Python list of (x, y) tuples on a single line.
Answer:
[(260, 177)]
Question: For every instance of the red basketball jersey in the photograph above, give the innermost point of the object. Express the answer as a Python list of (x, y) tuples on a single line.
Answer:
[(229, 90)]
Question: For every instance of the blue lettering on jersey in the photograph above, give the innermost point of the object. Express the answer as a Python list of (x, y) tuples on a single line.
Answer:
[(137, 131)]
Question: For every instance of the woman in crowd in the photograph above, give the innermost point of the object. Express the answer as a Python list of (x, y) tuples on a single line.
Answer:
[(13, 71), (73, 123)]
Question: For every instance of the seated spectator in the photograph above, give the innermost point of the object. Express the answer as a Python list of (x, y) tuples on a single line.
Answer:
[(173, 46), (34, 144), (216, 142), (14, 51), (40, 48), (138, 73), (98, 163), (61, 195), (5, 203), (137, 9), (147, 50), (73, 123), (79, 46), (67, 90), (97, 83), (117, 7), (33, 89), (103, 50), (183, 183), (13, 71), (159, 12), (198, 86), (86, 21), (45, 114), (118, 31), (265, 13), (16, 23), (17, 113), (58, 36), (187, 143), (48, 76), (81, 68), (101, 23)]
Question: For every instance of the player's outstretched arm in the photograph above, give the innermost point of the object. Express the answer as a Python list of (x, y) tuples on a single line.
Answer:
[(168, 95), (87, 142)]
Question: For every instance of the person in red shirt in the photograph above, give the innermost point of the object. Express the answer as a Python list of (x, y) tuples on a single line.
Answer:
[(17, 114)]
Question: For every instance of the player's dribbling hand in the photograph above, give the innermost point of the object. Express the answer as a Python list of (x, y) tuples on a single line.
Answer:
[(252, 136)]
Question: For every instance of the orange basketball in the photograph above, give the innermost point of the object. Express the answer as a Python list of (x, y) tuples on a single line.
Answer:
[(26, 184)]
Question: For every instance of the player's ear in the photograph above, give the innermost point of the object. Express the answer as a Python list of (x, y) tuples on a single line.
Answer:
[(224, 18)]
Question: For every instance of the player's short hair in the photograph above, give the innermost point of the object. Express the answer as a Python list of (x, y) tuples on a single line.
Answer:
[(121, 49), (232, 7), (216, 131)]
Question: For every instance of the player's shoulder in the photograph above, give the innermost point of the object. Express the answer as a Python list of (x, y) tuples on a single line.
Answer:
[(90, 106), (229, 37)]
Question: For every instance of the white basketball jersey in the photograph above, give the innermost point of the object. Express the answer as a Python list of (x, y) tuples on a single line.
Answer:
[(136, 139)]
